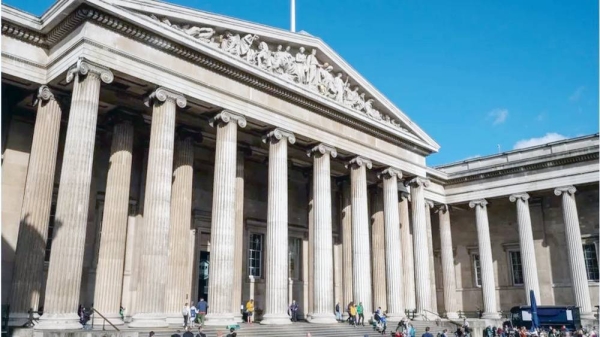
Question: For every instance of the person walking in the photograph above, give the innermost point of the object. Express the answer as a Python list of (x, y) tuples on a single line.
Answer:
[(185, 312), (338, 314), (202, 309), (427, 333), (361, 315), (249, 311), (294, 311), (353, 314), (193, 312)]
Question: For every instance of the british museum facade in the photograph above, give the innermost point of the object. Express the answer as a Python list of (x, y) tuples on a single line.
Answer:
[(153, 155)]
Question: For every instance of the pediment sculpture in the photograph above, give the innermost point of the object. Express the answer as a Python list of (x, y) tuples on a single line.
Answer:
[(302, 68)]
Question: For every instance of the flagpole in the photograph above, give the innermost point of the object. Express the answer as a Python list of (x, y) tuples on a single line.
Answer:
[(293, 16)]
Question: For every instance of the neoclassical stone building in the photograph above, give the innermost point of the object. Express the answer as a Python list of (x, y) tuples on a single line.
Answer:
[(153, 155)]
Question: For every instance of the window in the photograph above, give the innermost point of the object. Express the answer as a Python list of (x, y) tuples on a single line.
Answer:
[(477, 270), (294, 258), (255, 251), (591, 261), (50, 232), (516, 267)]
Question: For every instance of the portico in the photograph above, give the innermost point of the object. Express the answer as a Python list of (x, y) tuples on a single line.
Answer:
[(207, 128)]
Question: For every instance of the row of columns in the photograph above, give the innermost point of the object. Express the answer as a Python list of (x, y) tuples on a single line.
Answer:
[(167, 211)]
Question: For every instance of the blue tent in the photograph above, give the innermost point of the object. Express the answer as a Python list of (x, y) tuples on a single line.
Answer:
[(535, 321)]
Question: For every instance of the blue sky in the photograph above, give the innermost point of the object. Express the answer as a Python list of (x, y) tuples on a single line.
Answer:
[(472, 74)]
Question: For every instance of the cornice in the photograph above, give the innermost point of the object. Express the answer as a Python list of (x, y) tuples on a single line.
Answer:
[(23, 34)]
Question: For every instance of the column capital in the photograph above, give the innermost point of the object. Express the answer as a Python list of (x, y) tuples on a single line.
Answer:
[(443, 208), (162, 95), (417, 182), (389, 173), (404, 195), (565, 189), (277, 135), (518, 196), (44, 94), (227, 116), (359, 161), (322, 149), (480, 202), (85, 67)]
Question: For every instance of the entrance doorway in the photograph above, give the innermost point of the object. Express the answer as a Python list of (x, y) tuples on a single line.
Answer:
[(203, 276)]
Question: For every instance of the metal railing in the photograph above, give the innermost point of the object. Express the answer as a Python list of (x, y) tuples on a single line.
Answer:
[(103, 321)]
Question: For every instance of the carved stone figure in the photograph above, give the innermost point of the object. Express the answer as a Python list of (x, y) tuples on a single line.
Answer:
[(372, 112), (350, 97), (312, 65), (201, 33), (326, 80), (338, 84), (300, 66), (245, 47), (264, 58), (231, 43), (360, 102)]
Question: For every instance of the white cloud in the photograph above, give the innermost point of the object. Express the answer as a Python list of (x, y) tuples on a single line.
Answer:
[(577, 94), (548, 138), (499, 116)]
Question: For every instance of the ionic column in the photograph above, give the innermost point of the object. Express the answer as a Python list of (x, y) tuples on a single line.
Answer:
[(111, 256), (428, 207), (322, 239), (177, 291), (35, 213), (276, 266), (377, 248), (346, 216), (408, 262), (579, 278), (154, 250), (361, 248), (393, 251), (530, 276), (63, 284), (222, 237), (448, 275), (238, 264), (488, 284), (419, 222)]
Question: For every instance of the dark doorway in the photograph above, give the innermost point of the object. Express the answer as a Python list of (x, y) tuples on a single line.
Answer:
[(203, 276)]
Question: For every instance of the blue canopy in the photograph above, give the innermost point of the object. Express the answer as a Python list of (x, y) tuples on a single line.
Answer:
[(535, 321)]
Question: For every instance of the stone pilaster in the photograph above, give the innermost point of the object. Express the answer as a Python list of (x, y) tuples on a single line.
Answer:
[(361, 250), (393, 250), (154, 259), (419, 222), (309, 280), (63, 284), (346, 216), (579, 278), (127, 291), (448, 275), (222, 237), (530, 276), (408, 262), (177, 291), (35, 212), (488, 283), (276, 262), (191, 281), (322, 245), (377, 248), (111, 256), (428, 208), (238, 264)]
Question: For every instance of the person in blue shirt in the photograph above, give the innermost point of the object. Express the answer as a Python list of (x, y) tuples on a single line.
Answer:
[(427, 333)]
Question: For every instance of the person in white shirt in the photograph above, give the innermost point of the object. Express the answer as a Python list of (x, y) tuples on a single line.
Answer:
[(186, 314), (193, 312)]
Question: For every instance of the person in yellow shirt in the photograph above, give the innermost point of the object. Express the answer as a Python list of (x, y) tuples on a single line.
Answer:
[(249, 310), (353, 313)]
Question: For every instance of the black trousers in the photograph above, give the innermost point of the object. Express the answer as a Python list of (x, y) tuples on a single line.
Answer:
[(361, 319)]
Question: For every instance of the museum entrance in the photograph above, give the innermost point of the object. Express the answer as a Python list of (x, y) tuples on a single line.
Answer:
[(203, 276)]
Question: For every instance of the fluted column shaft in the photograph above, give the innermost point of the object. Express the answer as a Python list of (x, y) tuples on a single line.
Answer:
[(346, 216), (178, 286), (428, 207), (111, 257), (63, 284), (488, 283), (579, 278), (408, 262), (322, 239), (377, 249), (238, 238), (448, 275), (419, 221), (35, 213), (276, 266), (361, 250), (530, 276), (222, 237), (393, 251), (154, 259)]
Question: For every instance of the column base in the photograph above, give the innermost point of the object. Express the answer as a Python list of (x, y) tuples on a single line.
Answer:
[(276, 319), (490, 315), (175, 319), (149, 321), (587, 315), (115, 319), (452, 315), (323, 319), (219, 319), (238, 318), (59, 322), (394, 317), (20, 319)]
